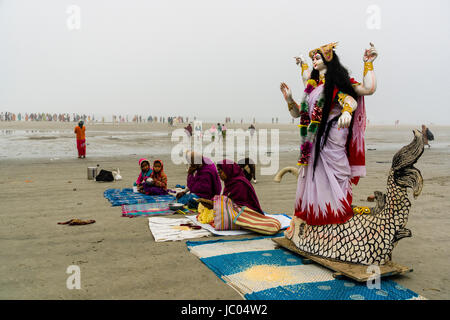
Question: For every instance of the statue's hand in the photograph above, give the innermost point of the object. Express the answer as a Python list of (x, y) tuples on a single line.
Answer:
[(286, 92), (344, 120), (370, 54), (300, 60)]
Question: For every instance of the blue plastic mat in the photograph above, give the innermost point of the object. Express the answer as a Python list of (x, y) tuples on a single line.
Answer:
[(118, 197), (258, 271)]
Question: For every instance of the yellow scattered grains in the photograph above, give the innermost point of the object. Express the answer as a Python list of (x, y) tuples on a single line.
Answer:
[(182, 228), (268, 273)]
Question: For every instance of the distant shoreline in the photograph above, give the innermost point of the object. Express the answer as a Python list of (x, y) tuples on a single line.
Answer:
[(10, 124)]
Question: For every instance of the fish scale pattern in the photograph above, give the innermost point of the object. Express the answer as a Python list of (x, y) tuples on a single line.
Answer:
[(368, 239)]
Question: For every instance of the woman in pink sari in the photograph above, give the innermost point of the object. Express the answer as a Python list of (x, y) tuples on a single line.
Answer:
[(332, 124)]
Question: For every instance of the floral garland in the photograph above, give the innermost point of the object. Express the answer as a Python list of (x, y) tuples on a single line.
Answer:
[(308, 126)]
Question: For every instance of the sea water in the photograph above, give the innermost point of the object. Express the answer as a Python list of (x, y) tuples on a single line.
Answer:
[(61, 144)]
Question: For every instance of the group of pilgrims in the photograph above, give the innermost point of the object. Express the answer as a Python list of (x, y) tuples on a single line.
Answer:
[(232, 207), (203, 180)]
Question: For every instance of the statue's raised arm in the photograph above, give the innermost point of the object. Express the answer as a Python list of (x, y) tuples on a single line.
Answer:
[(306, 73), (369, 85), (292, 105)]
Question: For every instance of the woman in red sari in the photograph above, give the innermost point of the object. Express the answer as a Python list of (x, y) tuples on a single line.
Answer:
[(81, 139)]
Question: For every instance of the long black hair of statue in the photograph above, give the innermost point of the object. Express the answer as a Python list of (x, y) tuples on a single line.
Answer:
[(336, 76)]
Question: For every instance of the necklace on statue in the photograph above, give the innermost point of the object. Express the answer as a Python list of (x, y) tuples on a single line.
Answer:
[(308, 126)]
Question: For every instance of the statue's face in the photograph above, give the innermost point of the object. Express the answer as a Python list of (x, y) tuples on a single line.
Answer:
[(318, 63)]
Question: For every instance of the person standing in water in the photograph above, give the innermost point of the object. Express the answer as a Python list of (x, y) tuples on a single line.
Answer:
[(426, 135), (81, 139)]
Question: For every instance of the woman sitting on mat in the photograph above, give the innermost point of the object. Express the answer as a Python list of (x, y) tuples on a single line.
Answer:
[(146, 171), (237, 187), (203, 179), (157, 184), (238, 207)]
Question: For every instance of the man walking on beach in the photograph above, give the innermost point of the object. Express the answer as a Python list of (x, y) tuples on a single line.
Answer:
[(81, 139)]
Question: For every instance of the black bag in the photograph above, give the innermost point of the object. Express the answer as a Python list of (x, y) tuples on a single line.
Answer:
[(104, 175), (430, 136)]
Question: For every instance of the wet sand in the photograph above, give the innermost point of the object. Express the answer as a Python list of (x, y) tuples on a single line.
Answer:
[(119, 258)]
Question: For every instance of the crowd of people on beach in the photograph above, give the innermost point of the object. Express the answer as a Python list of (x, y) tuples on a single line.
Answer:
[(150, 119), (66, 117), (61, 117)]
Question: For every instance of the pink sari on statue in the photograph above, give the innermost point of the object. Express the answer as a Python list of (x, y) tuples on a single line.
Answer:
[(326, 196)]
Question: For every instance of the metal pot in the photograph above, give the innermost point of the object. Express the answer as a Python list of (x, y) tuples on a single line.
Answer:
[(175, 206), (91, 173)]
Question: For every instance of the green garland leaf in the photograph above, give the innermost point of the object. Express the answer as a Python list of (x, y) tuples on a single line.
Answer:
[(303, 131), (313, 127), (304, 106)]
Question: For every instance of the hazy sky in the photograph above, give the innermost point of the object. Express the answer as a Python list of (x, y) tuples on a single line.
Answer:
[(217, 58)]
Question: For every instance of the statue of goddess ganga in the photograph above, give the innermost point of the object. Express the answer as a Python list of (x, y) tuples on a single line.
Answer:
[(332, 125), (332, 158)]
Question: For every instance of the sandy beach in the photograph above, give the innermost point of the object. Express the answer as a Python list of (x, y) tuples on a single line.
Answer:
[(118, 256)]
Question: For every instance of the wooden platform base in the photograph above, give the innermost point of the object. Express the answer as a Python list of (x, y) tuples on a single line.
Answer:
[(356, 272)]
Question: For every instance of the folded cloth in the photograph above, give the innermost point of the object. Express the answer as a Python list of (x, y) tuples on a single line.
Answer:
[(169, 229)]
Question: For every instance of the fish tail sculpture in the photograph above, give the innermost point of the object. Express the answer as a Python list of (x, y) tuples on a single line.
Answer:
[(283, 171), (368, 239)]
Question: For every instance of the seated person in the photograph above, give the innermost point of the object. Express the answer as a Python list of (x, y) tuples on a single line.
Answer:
[(238, 192), (157, 184), (237, 187), (146, 171), (203, 179)]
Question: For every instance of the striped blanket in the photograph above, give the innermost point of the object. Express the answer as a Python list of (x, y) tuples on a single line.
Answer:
[(258, 271), (118, 197), (146, 209)]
